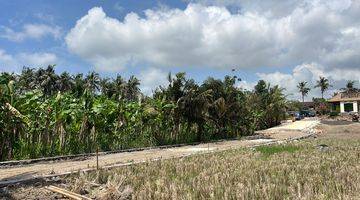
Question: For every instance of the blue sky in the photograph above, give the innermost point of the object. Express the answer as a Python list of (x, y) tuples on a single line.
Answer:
[(282, 43)]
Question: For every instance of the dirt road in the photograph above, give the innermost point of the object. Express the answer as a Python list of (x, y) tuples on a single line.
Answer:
[(15, 173)]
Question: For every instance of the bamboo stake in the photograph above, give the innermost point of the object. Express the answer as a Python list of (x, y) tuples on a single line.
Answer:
[(66, 193), (97, 158)]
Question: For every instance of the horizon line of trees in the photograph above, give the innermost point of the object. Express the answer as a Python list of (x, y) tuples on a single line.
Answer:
[(46, 114)]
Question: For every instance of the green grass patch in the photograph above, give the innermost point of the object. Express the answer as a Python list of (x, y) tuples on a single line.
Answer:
[(270, 150)]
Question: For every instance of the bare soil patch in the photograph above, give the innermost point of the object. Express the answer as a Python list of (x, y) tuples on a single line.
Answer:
[(339, 130)]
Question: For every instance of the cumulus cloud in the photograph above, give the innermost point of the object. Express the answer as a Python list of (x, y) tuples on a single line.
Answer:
[(151, 78), (30, 31), (212, 36), (9, 62), (310, 73)]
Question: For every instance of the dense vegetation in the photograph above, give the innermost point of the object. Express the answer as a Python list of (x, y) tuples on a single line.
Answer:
[(46, 114)]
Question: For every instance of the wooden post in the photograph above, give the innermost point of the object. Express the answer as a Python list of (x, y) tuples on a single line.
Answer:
[(97, 158), (67, 193)]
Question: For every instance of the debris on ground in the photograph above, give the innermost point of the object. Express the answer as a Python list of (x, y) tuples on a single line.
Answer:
[(323, 147), (66, 193)]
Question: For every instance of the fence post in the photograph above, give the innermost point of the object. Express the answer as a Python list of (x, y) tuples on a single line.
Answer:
[(97, 158)]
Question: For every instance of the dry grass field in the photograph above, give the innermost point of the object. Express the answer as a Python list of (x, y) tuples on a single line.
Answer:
[(321, 168)]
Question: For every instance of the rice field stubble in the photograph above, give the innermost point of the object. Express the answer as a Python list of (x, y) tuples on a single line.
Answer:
[(299, 170)]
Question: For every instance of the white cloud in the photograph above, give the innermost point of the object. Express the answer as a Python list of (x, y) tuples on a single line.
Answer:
[(151, 78), (212, 36), (6, 61), (37, 59), (276, 8), (269, 7), (30, 31), (311, 73), (245, 85), (9, 62), (4, 57)]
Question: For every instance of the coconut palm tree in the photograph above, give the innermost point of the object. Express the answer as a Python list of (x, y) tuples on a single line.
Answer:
[(323, 84), (64, 82), (106, 87), (47, 80), (303, 89), (132, 89), (350, 87), (119, 87), (27, 80), (92, 82), (79, 85)]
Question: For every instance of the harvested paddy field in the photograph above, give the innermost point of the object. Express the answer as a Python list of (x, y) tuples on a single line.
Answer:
[(320, 168)]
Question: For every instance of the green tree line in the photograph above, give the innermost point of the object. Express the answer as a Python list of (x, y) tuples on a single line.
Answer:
[(46, 114)]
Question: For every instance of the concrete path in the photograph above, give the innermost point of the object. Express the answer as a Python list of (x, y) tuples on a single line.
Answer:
[(23, 172)]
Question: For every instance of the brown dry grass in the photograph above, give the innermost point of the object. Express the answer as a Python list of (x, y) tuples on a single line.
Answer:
[(299, 171)]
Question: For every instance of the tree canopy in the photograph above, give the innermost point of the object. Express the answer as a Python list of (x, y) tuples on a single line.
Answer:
[(45, 114)]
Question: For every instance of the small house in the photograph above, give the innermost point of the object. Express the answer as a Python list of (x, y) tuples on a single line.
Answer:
[(345, 102)]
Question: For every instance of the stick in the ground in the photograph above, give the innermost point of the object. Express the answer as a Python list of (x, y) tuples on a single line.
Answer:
[(97, 158), (66, 193)]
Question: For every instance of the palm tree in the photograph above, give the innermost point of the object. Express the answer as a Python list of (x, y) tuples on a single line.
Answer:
[(92, 82), (79, 85), (65, 82), (27, 79), (323, 84), (120, 87), (350, 87), (303, 89), (132, 89), (106, 87), (194, 108), (47, 80)]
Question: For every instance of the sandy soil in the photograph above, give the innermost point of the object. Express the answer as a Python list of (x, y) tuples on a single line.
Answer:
[(288, 129), (59, 167)]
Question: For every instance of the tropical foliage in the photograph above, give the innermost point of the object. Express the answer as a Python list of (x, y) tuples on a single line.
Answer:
[(350, 87), (303, 89), (323, 84), (46, 114)]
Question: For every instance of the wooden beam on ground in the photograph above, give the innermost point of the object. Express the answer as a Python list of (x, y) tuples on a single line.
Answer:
[(66, 193)]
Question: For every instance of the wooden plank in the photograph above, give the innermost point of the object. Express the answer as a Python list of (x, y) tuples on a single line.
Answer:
[(66, 193)]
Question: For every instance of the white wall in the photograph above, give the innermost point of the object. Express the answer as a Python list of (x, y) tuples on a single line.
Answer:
[(355, 106), (342, 107)]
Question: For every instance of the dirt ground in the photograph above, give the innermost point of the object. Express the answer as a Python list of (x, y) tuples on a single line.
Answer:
[(329, 130), (339, 130)]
